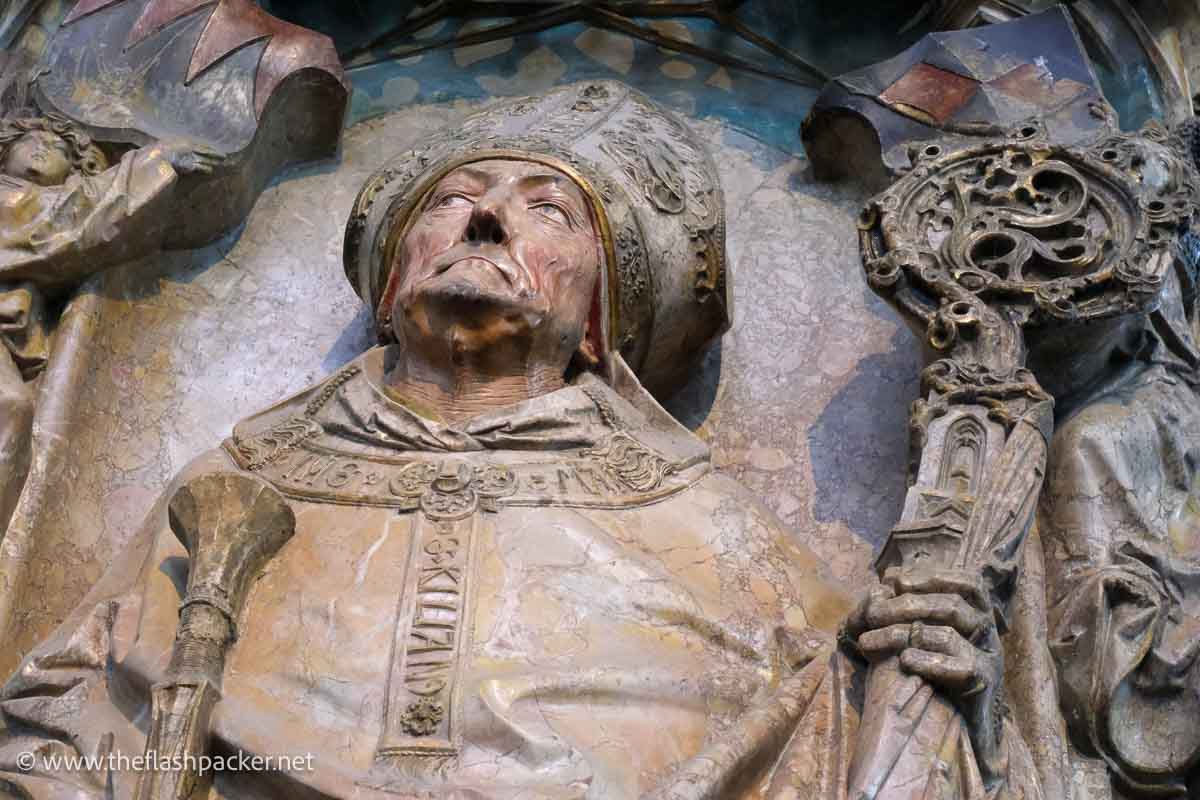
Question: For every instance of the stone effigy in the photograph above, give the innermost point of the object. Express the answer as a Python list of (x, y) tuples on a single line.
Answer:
[(512, 573), (480, 559)]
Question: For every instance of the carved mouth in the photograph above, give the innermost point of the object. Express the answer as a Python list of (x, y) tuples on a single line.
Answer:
[(516, 276)]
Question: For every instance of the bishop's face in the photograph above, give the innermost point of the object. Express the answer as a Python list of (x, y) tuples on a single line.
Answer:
[(39, 157), (503, 254)]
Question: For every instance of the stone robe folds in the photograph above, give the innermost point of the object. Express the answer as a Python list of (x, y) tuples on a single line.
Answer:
[(561, 600), (1119, 516)]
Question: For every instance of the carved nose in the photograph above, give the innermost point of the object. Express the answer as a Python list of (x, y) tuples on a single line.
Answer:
[(486, 225)]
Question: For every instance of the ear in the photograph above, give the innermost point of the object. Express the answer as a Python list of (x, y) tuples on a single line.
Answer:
[(588, 355), (591, 348)]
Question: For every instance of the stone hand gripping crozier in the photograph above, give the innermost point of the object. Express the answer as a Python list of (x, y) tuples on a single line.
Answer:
[(987, 250), (231, 525)]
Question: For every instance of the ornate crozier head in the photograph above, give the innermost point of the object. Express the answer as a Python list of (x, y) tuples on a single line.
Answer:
[(1077, 243), (589, 208), (47, 150)]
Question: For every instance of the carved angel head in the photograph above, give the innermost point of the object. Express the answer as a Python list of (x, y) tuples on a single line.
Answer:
[(46, 150)]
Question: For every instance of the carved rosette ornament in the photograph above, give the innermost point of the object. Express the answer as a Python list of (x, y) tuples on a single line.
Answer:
[(422, 717), (980, 246)]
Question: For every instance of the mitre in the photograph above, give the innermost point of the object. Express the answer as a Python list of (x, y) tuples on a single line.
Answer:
[(664, 294)]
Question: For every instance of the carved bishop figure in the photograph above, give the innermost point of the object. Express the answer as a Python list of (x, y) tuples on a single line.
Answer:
[(513, 574)]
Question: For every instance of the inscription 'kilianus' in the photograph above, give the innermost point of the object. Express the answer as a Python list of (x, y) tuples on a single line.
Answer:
[(434, 607)]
